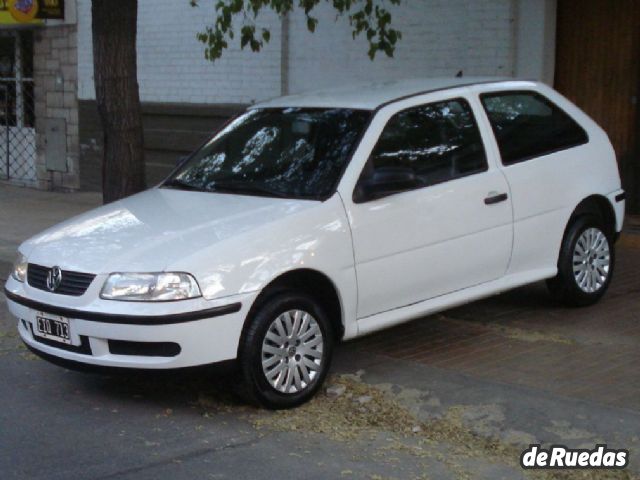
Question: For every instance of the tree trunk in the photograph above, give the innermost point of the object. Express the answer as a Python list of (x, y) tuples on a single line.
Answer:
[(115, 72)]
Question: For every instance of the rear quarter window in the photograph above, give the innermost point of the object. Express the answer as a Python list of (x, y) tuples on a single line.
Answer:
[(527, 125)]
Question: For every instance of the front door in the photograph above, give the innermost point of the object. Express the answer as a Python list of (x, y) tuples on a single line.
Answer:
[(449, 231)]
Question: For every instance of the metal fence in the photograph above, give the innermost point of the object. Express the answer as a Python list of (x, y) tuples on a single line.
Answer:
[(17, 116)]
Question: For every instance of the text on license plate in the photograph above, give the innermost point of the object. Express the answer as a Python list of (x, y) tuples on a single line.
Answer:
[(53, 328)]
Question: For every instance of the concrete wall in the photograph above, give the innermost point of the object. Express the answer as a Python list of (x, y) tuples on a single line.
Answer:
[(535, 40), (55, 92)]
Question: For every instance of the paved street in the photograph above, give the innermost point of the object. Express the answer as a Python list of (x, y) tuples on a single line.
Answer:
[(452, 396)]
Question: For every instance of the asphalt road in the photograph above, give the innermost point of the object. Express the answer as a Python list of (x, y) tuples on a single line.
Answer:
[(60, 424), (395, 420)]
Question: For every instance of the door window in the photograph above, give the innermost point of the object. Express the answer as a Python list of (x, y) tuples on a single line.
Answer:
[(528, 125), (438, 142)]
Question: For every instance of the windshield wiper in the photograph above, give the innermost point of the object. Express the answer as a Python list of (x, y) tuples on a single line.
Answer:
[(240, 186), (181, 185)]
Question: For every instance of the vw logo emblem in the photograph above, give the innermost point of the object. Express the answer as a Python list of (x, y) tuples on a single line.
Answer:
[(54, 279)]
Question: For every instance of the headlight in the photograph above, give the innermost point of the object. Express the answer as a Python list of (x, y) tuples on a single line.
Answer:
[(19, 271), (150, 287)]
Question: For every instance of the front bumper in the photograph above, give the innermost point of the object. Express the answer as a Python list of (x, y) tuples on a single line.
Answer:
[(136, 335)]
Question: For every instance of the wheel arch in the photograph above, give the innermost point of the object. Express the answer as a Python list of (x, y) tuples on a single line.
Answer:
[(596, 205), (306, 280)]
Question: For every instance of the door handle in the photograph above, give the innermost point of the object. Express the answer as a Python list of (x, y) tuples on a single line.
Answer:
[(495, 198)]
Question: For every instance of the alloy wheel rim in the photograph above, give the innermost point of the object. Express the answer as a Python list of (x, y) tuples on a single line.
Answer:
[(591, 260), (292, 351)]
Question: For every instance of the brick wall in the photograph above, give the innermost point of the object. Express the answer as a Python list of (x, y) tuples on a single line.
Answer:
[(55, 80), (439, 38), (171, 63)]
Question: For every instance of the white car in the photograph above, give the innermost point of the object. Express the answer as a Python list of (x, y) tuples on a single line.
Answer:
[(321, 217)]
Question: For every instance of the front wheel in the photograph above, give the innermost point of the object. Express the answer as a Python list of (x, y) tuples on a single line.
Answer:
[(286, 351), (585, 265)]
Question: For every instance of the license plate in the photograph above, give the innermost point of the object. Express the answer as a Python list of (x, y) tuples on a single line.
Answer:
[(56, 329)]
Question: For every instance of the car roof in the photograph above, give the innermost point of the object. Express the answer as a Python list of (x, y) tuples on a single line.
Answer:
[(370, 96)]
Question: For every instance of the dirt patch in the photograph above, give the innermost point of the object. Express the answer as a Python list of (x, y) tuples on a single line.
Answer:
[(529, 335), (357, 412), (363, 412)]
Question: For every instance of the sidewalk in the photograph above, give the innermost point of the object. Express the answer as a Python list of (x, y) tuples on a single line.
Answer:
[(450, 396)]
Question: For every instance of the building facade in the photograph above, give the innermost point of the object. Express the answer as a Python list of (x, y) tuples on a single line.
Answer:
[(39, 143), (185, 97)]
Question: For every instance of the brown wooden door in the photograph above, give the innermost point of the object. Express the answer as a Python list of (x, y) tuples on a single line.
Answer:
[(598, 68)]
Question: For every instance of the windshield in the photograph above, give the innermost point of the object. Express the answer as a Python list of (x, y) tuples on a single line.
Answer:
[(290, 152)]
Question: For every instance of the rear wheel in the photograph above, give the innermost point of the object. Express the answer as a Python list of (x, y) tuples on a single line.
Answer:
[(286, 351), (585, 265)]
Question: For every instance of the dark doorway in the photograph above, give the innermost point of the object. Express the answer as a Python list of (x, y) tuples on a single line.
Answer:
[(17, 117), (598, 68)]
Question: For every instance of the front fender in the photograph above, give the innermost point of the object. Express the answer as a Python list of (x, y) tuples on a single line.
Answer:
[(317, 238)]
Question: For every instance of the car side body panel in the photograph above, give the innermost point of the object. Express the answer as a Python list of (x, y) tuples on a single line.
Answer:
[(413, 246), (317, 238), (545, 190)]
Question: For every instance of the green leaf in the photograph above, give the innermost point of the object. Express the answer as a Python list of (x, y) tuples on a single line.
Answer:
[(370, 17), (311, 24), (372, 51)]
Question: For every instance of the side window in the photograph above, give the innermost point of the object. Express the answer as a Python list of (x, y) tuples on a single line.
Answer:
[(528, 125), (439, 142)]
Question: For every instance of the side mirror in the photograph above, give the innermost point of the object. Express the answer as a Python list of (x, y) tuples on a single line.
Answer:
[(385, 181)]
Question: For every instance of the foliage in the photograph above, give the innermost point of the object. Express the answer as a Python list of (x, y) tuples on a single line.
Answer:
[(370, 18)]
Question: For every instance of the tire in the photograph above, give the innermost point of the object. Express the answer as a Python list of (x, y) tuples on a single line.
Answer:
[(285, 351), (585, 264)]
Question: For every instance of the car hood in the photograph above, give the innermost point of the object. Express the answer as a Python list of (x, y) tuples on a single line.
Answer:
[(154, 229)]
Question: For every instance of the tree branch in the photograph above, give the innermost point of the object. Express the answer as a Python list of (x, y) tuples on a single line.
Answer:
[(370, 18)]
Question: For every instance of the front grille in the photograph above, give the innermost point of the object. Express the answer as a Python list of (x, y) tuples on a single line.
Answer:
[(73, 283)]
